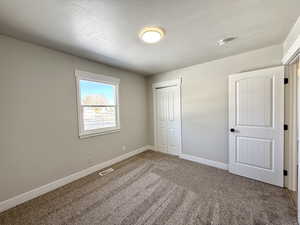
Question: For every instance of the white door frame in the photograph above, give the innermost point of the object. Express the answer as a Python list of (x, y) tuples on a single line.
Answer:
[(290, 55), (164, 84), (291, 117)]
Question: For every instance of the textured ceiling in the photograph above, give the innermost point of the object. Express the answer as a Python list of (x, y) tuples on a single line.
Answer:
[(107, 30)]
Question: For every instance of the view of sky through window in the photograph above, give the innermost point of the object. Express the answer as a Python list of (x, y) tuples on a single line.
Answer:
[(95, 93)]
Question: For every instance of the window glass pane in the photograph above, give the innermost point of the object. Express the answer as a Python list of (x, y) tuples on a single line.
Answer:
[(99, 117), (95, 93)]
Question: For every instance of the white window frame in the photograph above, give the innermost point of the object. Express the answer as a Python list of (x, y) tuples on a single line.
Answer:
[(83, 75)]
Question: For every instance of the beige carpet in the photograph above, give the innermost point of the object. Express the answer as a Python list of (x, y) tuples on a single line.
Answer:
[(154, 188)]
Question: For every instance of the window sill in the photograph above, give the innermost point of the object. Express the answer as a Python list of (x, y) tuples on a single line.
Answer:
[(82, 136)]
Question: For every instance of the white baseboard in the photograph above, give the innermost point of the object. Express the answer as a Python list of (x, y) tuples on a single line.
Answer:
[(207, 162), (19, 199), (151, 147)]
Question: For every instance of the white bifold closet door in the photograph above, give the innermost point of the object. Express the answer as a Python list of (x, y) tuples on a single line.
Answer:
[(256, 116), (167, 119)]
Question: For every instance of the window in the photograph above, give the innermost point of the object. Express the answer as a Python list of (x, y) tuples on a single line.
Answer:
[(98, 104)]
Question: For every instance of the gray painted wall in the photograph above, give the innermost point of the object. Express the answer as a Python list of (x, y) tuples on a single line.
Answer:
[(205, 100), (39, 132)]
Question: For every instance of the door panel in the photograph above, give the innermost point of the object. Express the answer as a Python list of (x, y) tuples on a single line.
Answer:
[(168, 119), (255, 152), (161, 121), (252, 94), (256, 113)]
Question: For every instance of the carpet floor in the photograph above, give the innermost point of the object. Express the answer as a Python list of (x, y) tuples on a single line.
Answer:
[(156, 189)]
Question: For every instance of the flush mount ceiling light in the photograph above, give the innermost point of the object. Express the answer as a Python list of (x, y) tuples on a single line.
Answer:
[(151, 35), (226, 41)]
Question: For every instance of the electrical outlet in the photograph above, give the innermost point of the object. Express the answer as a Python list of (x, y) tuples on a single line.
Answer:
[(124, 147)]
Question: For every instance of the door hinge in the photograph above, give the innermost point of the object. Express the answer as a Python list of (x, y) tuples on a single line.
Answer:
[(285, 127), (286, 80), (285, 173)]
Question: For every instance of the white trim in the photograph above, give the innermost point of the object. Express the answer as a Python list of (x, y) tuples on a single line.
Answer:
[(96, 77), (298, 131), (151, 147), (114, 130), (168, 83), (83, 75), (180, 124), (204, 161), (19, 199), (291, 119), (163, 84), (292, 52)]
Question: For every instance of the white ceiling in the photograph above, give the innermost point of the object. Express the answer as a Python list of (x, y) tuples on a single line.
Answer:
[(107, 30)]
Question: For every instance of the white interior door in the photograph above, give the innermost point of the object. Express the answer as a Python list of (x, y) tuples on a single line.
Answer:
[(167, 119), (256, 117)]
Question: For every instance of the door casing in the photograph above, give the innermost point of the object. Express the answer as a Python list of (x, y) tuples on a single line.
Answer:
[(291, 54)]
